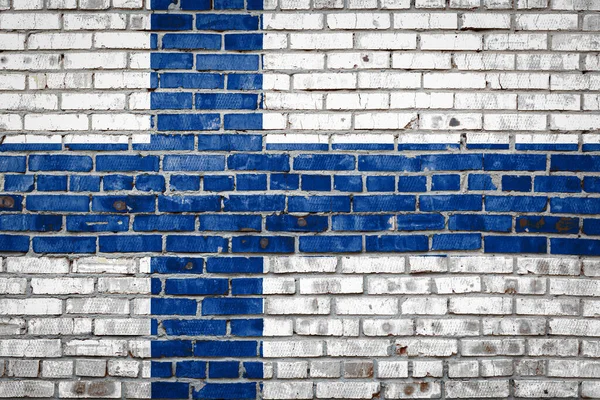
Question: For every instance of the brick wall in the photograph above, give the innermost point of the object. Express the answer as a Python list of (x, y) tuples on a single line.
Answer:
[(301, 199)]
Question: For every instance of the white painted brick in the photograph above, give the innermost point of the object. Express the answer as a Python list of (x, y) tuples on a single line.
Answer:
[(574, 82), (531, 306), (548, 61), (553, 347), (545, 22), (388, 327), (514, 326), (93, 101), (590, 268), (292, 370), (421, 100), (288, 390), (312, 41), (422, 60), (364, 60), (478, 347), (485, 101), (325, 81), (29, 388), (69, 80), (120, 122), (464, 80), (95, 368), (430, 3), (386, 41), (122, 327), (424, 369), (276, 82), (325, 285), (28, 4), (29, 21), (12, 82), (122, 40), (30, 348), (12, 326), (531, 4), (422, 390), (451, 41), (484, 61), (13, 101), (574, 122), (485, 21), (62, 285), (23, 368), (59, 326), (447, 327), (475, 305), (272, 41), (326, 327), (56, 122), (412, 285), (357, 347), (502, 367), (124, 285), (446, 20), (29, 61), (449, 285), (389, 80), (93, 348), (304, 348), (57, 369), (112, 60), (546, 388), (13, 285), (98, 305), (463, 369), (39, 41), (357, 101), (293, 101), (302, 305), (292, 21), (340, 121), (517, 122), (388, 120), (450, 121), (425, 306), (101, 265), (90, 389), (294, 4), (347, 390), (366, 306), (366, 265), (515, 41), (32, 306), (12, 41), (277, 327), (121, 80), (522, 285), (392, 369), (518, 81), (125, 368), (358, 21), (426, 347), (552, 101), (10, 122), (300, 264), (590, 389)]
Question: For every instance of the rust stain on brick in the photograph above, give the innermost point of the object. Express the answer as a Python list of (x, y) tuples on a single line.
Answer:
[(120, 205), (7, 202)]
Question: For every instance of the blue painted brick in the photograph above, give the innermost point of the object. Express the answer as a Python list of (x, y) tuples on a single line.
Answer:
[(126, 163), (226, 101), (318, 204), (194, 327), (253, 370), (184, 182), (30, 222), (384, 203), (481, 182), (475, 222), (196, 286), (130, 244), (575, 205), (195, 5), (318, 183), (191, 41), (381, 183), (581, 247), (264, 244), (170, 101), (149, 183), (231, 223), (19, 183), (196, 244), (218, 183), (193, 163), (14, 243), (515, 203), (117, 182), (515, 244), (53, 203), (123, 204), (562, 184), (331, 244), (324, 162), (169, 390), (516, 183), (254, 4), (165, 223), (191, 369), (226, 22), (242, 122), (186, 80), (451, 162), (228, 4), (420, 222), (176, 265), (160, 369), (348, 183), (244, 41), (389, 243), (189, 203), (244, 81), (459, 202), (60, 163), (51, 183), (166, 142), (254, 203), (97, 223), (514, 162), (591, 226), (171, 22), (388, 163), (223, 369), (227, 62), (251, 182), (226, 391), (246, 286), (229, 306), (568, 162), (445, 182), (171, 348), (171, 61), (155, 286), (247, 327), (13, 164), (536, 224), (64, 244), (84, 183), (456, 241), (412, 184), (235, 265), (229, 142), (229, 348), (259, 162), (173, 306), (591, 184), (292, 223), (361, 222), (285, 181), (188, 122)]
